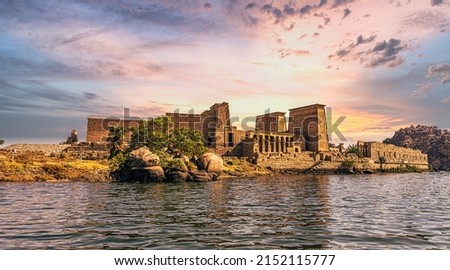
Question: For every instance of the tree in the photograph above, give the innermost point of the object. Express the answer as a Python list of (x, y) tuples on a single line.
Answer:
[(188, 142), (155, 134), (381, 160), (1, 142), (354, 149), (159, 136), (116, 141)]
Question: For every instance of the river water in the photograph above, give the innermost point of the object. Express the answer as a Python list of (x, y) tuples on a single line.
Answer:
[(391, 211)]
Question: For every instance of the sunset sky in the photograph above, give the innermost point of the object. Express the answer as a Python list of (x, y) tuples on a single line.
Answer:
[(382, 64)]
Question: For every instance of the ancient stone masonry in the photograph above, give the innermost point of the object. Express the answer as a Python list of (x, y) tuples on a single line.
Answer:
[(98, 126), (214, 124), (307, 130), (37, 149), (392, 154), (271, 122), (308, 124)]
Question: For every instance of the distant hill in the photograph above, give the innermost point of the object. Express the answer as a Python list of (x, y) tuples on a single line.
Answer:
[(431, 140)]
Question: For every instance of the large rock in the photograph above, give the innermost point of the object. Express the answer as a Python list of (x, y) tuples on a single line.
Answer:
[(211, 163), (203, 176), (147, 174), (142, 157), (179, 177), (429, 139)]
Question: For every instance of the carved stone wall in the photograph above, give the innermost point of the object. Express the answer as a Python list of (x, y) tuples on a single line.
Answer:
[(308, 123)]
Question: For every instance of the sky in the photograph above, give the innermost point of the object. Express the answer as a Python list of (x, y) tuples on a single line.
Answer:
[(382, 65)]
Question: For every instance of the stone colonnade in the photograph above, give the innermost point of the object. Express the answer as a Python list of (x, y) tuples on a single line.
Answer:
[(274, 143)]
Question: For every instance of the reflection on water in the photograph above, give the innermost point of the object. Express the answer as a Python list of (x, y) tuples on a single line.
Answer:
[(401, 211)]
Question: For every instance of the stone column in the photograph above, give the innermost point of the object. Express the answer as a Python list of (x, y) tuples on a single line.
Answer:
[(278, 144), (283, 144), (267, 143), (261, 143), (272, 144)]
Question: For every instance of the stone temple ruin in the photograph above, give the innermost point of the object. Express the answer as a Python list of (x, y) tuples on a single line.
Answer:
[(299, 141), (304, 131)]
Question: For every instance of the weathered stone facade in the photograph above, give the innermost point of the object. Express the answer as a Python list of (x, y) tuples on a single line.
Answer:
[(270, 135), (392, 154), (309, 124), (214, 124), (271, 122), (98, 127), (257, 143)]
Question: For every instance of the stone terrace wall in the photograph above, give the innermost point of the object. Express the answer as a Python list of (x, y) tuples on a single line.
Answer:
[(396, 155), (298, 161), (90, 152), (40, 149)]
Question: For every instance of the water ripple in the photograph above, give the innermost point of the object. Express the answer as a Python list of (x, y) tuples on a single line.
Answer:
[(398, 211)]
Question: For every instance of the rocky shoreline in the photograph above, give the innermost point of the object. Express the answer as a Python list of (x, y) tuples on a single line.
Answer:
[(144, 166)]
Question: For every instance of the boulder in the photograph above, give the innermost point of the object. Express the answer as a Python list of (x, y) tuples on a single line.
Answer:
[(142, 157), (211, 163), (203, 176), (147, 174), (179, 177)]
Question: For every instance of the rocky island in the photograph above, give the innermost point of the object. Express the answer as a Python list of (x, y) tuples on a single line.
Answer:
[(201, 147), (433, 141)]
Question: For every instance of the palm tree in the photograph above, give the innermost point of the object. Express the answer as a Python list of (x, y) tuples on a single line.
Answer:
[(1, 142), (381, 160)]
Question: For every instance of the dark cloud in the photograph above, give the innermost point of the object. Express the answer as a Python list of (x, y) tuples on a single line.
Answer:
[(207, 5), (267, 8), (341, 2), (341, 53), (436, 2), (326, 20), (347, 12), (322, 3), (90, 96), (391, 61), (393, 47), (306, 9), (361, 40), (250, 6), (277, 13), (390, 48), (386, 53), (289, 10), (380, 46), (382, 54), (441, 71), (274, 11)]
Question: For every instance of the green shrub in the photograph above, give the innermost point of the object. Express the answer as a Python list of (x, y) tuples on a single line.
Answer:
[(354, 149), (348, 163), (160, 137), (175, 164)]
